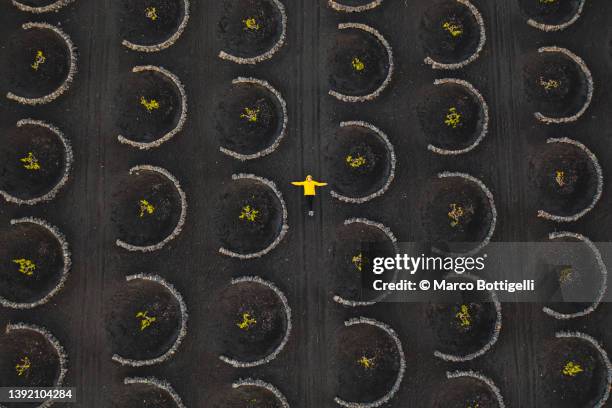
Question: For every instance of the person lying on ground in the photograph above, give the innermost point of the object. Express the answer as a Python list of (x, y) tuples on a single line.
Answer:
[(310, 192)]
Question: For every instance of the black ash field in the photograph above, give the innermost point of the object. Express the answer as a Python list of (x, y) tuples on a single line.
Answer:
[(306, 354)]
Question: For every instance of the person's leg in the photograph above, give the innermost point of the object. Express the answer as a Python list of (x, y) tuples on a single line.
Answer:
[(310, 203)]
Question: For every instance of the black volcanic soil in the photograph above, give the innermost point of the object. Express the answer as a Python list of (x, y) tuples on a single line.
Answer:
[(351, 261), (303, 371), (357, 382), (240, 304), (553, 83), (438, 42), (21, 52), (142, 396), (354, 3), (249, 119), (463, 327), (358, 161), (148, 22), (569, 276), (549, 12), (44, 363), (245, 42), (243, 235), (463, 232), (137, 122), (245, 396), (37, 3), (29, 242), (135, 225), (438, 108), (46, 147), (571, 192), (352, 47), (124, 328), (464, 392), (580, 389)]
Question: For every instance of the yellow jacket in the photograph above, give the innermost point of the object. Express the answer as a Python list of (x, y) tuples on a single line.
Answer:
[(309, 186)]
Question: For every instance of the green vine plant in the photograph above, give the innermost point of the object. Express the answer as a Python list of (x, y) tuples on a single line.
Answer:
[(357, 64), (464, 316), (30, 162), (39, 59), (23, 366), (251, 115), (453, 29), (358, 260), (572, 369), (249, 214), (145, 320), (149, 105), (151, 13), (355, 161), (145, 208), (457, 213), (26, 266), (247, 322), (548, 1), (549, 84), (560, 178), (251, 24), (566, 275), (365, 362), (453, 118)]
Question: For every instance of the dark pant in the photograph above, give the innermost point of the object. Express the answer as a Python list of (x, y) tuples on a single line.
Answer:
[(310, 202)]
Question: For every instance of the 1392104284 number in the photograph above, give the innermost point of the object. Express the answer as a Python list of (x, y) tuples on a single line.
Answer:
[(37, 394)]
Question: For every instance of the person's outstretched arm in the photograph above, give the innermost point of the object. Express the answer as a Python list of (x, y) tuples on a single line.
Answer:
[(297, 183), (320, 184)]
